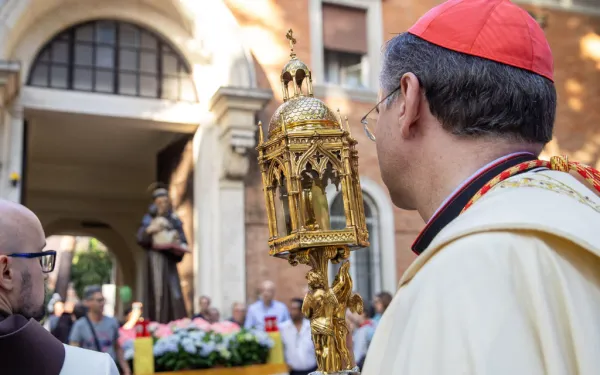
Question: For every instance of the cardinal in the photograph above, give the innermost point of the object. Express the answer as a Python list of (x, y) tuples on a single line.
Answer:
[(507, 274)]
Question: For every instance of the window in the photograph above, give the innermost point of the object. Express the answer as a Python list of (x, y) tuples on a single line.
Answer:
[(365, 263), (114, 58), (343, 68), (345, 45)]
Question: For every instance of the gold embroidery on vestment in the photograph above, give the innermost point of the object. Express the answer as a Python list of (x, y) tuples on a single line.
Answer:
[(549, 183)]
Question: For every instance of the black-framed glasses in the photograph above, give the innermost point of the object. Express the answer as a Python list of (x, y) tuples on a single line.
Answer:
[(47, 259), (365, 120)]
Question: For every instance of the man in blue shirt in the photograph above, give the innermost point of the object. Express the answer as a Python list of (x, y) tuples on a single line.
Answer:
[(98, 332), (265, 307)]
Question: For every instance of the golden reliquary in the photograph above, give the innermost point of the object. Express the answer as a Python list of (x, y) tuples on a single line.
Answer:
[(310, 156)]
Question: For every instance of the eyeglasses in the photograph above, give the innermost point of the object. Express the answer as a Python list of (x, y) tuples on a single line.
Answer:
[(47, 259), (365, 120)]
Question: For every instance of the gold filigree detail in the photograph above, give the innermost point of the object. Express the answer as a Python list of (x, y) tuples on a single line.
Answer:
[(310, 239), (300, 111), (293, 66), (318, 156), (308, 140), (550, 184)]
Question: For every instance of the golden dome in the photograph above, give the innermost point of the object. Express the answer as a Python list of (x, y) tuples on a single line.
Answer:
[(293, 66), (303, 111)]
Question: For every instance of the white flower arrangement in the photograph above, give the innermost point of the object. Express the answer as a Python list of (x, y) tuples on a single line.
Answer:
[(191, 345)]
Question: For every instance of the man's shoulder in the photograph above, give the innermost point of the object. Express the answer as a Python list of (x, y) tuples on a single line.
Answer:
[(553, 203), (279, 304), (285, 325), (478, 246), (255, 305), (110, 320), (79, 323), (78, 361), (501, 256), (472, 256)]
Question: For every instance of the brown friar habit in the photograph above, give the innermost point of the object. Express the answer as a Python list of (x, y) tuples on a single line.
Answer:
[(163, 298), (26, 348)]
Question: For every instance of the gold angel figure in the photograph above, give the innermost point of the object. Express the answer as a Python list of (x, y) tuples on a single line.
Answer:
[(318, 307), (342, 288), (325, 307)]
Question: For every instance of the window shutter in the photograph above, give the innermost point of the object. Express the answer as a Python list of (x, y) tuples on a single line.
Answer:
[(344, 29)]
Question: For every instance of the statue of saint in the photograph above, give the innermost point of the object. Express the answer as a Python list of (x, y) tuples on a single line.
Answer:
[(161, 234)]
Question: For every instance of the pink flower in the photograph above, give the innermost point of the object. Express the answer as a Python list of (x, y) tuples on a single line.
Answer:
[(225, 327), (163, 330), (202, 324), (126, 335), (182, 323)]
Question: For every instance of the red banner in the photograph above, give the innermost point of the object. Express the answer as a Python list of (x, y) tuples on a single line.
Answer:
[(141, 328), (271, 324)]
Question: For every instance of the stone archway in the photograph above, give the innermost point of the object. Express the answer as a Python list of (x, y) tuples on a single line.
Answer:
[(125, 257)]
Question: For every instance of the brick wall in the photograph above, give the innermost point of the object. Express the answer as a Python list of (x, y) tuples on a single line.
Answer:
[(265, 23)]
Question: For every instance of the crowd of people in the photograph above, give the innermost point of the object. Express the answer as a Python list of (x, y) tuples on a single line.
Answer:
[(299, 351), (84, 325)]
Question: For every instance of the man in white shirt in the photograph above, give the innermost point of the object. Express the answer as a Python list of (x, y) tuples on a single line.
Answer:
[(298, 347), (266, 307)]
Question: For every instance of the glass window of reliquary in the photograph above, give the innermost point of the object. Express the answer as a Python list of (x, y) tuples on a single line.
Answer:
[(316, 175)]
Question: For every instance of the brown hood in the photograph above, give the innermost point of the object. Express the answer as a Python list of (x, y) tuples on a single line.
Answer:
[(26, 348)]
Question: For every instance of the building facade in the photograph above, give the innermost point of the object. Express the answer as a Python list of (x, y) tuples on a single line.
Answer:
[(102, 98)]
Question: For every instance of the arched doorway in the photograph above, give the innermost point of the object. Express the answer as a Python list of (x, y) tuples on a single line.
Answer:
[(84, 261)]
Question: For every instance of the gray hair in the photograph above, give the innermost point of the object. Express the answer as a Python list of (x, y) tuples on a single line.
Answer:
[(472, 96), (89, 291)]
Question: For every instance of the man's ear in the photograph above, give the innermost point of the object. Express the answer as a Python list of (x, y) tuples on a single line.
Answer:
[(7, 274), (410, 89)]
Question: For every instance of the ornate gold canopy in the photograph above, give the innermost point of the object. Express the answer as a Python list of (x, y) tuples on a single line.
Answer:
[(308, 158), (309, 154)]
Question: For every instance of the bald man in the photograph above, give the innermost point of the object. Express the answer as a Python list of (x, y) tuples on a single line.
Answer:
[(266, 307), (26, 348)]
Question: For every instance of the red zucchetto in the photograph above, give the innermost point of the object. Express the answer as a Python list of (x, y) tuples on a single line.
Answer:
[(496, 30)]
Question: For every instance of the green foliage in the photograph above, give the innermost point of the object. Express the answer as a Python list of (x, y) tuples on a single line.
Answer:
[(90, 267)]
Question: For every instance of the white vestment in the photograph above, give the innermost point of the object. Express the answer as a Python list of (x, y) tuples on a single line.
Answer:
[(80, 361), (510, 287)]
